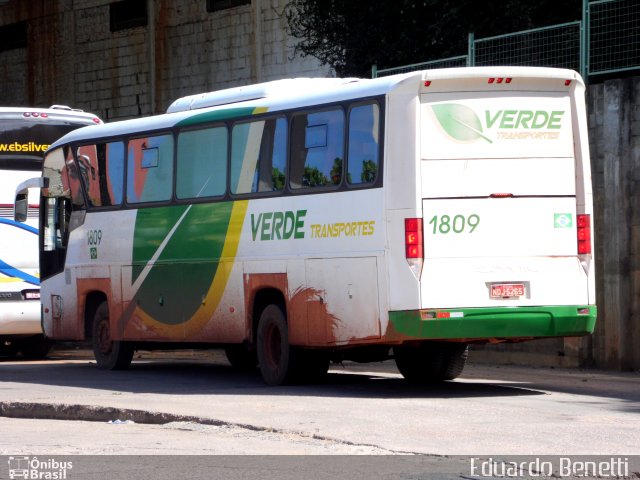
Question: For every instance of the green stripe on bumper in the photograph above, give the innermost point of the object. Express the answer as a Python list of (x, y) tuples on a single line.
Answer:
[(485, 323)]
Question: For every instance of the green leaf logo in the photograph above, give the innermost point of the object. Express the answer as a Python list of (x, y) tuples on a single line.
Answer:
[(459, 121)]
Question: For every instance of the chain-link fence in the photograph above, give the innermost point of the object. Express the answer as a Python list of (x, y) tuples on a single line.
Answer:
[(614, 36), (461, 61), (556, 46), (607, 40)]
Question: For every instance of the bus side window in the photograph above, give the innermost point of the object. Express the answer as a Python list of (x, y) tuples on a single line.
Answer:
[(317, 149), (363, 150), (71, 181), (258, 156), (150, 181), (111, 166), (202, 163), (102, 171)]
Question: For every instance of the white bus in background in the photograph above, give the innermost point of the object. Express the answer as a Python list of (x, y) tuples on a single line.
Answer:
[(25, 134), (307, 220)]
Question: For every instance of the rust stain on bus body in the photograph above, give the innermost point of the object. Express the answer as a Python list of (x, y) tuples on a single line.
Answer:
[(309, 319), (308, 307), (309, 322), (255, 282)]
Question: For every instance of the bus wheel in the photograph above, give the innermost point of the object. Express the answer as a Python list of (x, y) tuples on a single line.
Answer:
[(109, 354), (240, 357), (274, 353), (35, 347), (431, 361), (8, 349)]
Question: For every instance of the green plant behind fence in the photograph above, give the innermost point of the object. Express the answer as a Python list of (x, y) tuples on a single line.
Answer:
[(609, 42)]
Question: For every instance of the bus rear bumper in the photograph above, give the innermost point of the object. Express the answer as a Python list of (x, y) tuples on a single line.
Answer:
[(492, 324), (20, 318)]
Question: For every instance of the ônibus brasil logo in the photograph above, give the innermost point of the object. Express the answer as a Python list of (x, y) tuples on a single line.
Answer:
[(33, 468), (463, 124)]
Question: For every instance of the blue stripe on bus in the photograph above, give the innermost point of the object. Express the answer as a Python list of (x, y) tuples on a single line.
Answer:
[(10, 271), (23, 226)]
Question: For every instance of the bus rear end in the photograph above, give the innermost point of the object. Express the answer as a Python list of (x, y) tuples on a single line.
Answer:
[(502, 237)]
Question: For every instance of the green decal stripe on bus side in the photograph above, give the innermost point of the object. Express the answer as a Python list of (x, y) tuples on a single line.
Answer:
[(217, 116), (151, 228), (181, 276), (505, 322)]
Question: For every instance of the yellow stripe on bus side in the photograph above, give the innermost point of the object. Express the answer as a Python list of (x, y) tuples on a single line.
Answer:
[(10, 279)]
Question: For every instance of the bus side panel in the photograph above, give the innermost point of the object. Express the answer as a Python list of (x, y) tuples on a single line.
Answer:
[(59, 304), (18, 262), (228, 322), (181, 281), (343, 297), (331, 257), (96, 250), (401, 193)]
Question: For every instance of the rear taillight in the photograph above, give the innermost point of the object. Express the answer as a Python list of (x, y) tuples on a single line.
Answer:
[(413, 243), (413, 237), (584, 234)]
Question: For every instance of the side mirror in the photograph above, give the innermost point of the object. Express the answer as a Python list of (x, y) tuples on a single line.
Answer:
[(21, 203), (21, 206)]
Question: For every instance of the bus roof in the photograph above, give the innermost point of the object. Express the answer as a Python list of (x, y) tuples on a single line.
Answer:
[(299, 92), (55, 112)]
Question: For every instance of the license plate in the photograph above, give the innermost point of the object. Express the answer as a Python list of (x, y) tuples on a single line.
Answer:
[(507, 290)]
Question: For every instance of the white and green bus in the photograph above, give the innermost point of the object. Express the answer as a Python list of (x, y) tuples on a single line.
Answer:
[(25, 135), (301, 221)]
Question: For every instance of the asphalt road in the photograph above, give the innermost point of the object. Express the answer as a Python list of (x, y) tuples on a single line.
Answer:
[(188, 403)]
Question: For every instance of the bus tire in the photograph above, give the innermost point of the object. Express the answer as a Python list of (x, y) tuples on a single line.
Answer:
[(431, 361), (8, 349), (109, 354), (240, 357), (275, 357), (35, 347)]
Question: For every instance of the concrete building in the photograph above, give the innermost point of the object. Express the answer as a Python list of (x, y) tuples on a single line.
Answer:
[(126, 58)]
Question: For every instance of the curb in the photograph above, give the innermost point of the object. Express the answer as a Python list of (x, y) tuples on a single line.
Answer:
[(49, 411)]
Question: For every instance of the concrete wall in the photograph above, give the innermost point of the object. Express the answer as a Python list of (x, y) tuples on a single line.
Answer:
[(614, 136), (73, 58), (614, 121)]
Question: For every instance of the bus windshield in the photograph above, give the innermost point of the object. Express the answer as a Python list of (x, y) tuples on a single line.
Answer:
[(23, 143)]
